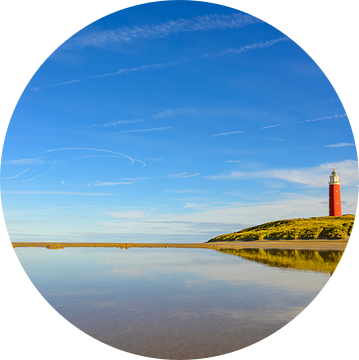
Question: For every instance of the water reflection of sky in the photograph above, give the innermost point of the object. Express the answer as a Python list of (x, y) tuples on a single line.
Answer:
[(169, 303)]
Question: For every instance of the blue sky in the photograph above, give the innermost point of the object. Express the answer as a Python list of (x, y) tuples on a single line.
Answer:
[(173, 121)]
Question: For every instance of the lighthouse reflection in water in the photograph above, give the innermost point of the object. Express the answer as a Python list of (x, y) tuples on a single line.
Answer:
[(178, 303)]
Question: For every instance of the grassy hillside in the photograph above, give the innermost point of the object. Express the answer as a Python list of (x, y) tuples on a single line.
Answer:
[(326, 227)]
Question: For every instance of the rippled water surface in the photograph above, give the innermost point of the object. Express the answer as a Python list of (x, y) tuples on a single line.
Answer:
[(176, 303)]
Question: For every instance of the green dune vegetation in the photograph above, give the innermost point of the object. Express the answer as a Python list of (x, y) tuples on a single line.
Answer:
[(320, 261), (326, 227)]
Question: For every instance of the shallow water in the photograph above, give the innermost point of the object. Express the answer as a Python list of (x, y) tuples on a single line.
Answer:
[(172, 303)]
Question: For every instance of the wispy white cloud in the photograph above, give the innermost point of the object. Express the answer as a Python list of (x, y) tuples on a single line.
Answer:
[(139, 68), (70, 82), (119, 72), (233, 161), (241, 49), (142, 130), (271, 138), (272, 126), (132, 160), (113, 183), (340, 145), (112, 123), (171, 112), (244, 195), (160, 115), (122, 122), (153, 31), (15, 176), (182, 175), (192, 191), (314, 177), (145, 225), (228, 133), (209, 221), (324, 118), (24, 162), (306, 121), (193, 206), (137, 179), (128, 181), (131, 214), (183, 61), (37, 176), (40, 192), (277, 184), (96, 183), (57, 84), (326, 102)]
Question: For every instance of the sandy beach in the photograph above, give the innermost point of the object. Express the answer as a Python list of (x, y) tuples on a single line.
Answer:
[(310, 244)]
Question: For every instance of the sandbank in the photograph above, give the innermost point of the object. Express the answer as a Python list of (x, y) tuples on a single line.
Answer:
[(309, 244)]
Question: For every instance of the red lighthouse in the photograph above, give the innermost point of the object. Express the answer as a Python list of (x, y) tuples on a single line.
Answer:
[(335, 205)]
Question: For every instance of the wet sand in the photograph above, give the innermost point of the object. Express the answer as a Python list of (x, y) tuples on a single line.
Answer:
[(310, 244)]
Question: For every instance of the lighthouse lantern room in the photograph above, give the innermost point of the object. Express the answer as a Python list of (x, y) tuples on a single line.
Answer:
[(335, 207)]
